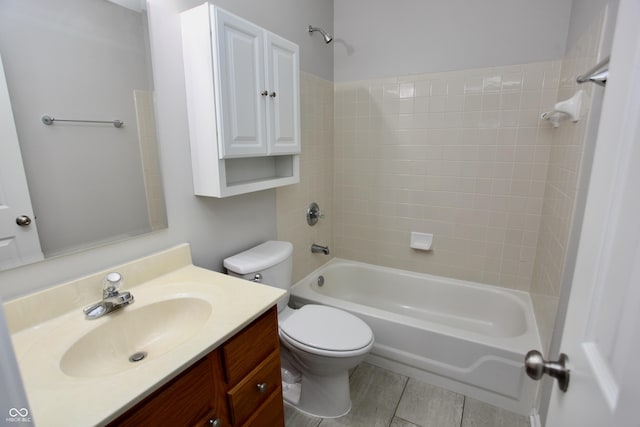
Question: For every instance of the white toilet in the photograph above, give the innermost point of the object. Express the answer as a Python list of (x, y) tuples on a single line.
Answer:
[(320, 343)]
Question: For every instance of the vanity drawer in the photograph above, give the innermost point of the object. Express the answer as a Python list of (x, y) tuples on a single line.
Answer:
[(253, 390), (252, 345)]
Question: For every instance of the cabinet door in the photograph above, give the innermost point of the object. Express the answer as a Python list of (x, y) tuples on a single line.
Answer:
[(283, 109), (239, 83), (193, 396)]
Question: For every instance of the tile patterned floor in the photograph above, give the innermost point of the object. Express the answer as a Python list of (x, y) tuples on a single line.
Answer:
[(381, 398)]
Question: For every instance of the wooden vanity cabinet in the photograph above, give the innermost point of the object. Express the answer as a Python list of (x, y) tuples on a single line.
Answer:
[(238, 384)]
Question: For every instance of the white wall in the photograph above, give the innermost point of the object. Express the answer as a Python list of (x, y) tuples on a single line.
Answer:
[(583, 13), (216, 228), (290, 19), (378, 38)]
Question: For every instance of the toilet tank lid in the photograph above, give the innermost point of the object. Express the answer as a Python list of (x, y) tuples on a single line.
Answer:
[(260, 257)]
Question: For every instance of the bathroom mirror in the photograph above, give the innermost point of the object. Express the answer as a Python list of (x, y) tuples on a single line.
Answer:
[(90, 183)]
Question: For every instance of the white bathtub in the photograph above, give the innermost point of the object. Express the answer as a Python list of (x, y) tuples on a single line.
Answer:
[(467, 337)]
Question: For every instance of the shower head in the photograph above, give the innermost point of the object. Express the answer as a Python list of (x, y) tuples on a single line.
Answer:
[(327, 37)]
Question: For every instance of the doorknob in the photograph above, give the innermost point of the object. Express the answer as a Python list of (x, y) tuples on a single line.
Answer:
[(536, 367), (23, 220)]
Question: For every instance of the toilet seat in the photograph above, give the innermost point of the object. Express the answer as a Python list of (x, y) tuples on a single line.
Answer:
[(326, 331)]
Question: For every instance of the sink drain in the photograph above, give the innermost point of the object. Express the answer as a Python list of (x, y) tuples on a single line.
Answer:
[(136, 357)]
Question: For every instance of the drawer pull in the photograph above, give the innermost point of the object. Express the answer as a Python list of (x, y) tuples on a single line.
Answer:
[(262, 387), (215, 422)]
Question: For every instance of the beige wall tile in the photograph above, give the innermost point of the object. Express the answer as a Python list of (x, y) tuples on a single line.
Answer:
[(466, 160), (317, 174), (563, 156)]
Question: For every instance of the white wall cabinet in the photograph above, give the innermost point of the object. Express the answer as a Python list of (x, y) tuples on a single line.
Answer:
[(243, 102)]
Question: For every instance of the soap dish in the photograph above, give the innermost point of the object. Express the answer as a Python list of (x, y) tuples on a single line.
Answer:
[(421, 241)]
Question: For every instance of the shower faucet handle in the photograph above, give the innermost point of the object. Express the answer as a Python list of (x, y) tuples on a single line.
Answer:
[(313, 214)]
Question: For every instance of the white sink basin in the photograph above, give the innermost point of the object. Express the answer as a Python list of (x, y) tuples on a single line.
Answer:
[(146, 332)]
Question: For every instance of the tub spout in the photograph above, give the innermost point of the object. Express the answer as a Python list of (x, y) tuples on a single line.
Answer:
[(317, 249)]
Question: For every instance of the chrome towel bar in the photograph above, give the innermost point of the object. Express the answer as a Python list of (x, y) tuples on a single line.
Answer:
[(598, 74), (48, 120)]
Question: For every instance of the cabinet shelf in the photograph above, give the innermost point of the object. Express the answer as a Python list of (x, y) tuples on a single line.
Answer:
[(249, 174)]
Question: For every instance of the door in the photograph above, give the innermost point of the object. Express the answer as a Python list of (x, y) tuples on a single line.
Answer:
[(18, 244), (283, 108), (602, 330), (240, 85)]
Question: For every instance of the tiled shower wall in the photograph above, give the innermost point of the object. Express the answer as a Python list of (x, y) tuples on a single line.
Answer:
[(462, 155), (316, 179), (565, 166)]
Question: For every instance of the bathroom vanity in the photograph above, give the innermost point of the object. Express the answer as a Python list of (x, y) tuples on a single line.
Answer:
[(237, 384), (210, 344)]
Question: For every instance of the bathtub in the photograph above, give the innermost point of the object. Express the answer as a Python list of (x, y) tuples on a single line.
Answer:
[(467, 337)]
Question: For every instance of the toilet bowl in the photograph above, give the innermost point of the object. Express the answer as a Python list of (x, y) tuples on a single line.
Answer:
[(319, 343), (323, 343)]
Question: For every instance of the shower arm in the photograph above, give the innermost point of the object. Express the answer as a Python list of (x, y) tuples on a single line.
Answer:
[(327, 38)]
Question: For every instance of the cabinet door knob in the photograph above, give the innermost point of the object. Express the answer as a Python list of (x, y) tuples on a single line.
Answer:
[(264, 93), (262, 387), (272, 94), (215, 422)]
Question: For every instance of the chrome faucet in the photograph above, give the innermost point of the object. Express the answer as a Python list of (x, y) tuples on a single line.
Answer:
[(318, 249), (111, 298)]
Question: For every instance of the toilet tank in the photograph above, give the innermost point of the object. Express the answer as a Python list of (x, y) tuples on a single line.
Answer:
[(272, 260)]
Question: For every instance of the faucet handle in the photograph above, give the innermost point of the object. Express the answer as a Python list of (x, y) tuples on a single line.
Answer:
[(313, 214), (111, 284)]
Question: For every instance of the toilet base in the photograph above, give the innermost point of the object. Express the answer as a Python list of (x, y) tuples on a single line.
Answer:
[(325, 396), (287, 403)]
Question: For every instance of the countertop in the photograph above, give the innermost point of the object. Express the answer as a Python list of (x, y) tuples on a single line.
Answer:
[(41, 335)]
